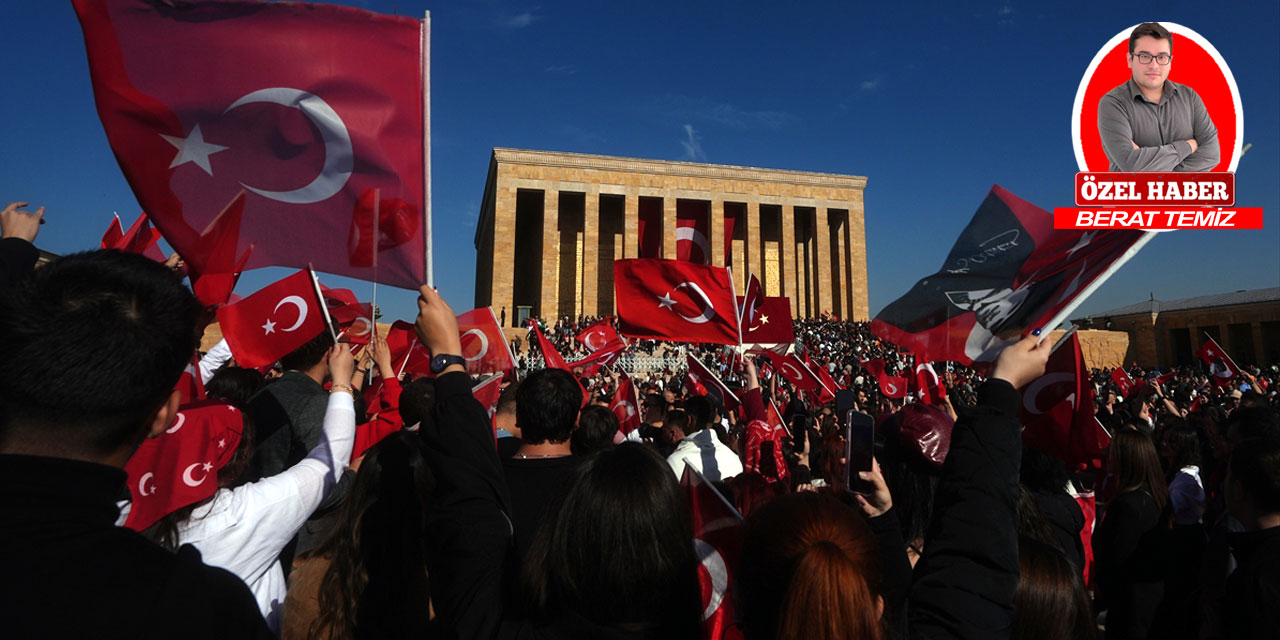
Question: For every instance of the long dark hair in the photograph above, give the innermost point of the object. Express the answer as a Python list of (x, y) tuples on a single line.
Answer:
[(1133, 461), (376, 585), (1051, 602), (617, 549)]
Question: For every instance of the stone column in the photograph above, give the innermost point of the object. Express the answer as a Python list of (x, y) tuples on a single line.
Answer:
[(861, 309), (591, 251), (791, 286), (631, 225), (668, 228), (549, 306), (502, 292), (717, 235), (842, 265), (823, 248), (755, 248)]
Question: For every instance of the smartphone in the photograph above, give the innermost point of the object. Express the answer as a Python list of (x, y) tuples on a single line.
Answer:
[(859, 442)]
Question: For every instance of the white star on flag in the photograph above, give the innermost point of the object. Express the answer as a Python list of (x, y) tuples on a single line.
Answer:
[(666, 301), (207, 467), (193, 148), (269, 327)]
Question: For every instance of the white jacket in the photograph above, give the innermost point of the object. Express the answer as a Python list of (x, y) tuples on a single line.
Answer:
[(704, 451)]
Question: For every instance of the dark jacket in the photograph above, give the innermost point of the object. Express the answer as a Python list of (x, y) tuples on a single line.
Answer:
[(69, 572), (1252, 606), (966, 579), (1065, 519), (17, 260), (1129, 562)]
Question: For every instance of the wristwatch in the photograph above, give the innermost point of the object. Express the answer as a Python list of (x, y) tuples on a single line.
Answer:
[(442, 361)]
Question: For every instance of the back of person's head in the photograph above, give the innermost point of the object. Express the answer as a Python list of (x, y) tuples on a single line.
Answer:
[(507, 400), (547, 406), (1133, 460), (1255, 468), (1181, 443), (1253, 422), (596, 428), (1042, 472), (93, 345), (751, 490), (234, 384), (617, 548), (308, 355), (1153, 29), (416, 400), (376, 585), (1051, 602), (809, 569), (700, 411)]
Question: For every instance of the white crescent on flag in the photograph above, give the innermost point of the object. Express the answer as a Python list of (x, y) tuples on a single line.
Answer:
[(298, 302), (339, 157), (484, 344), (708, 310), (1030, 398)]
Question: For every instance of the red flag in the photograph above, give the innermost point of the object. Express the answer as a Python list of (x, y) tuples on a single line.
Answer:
[(604, 357), (212, 258), (890, 386), (699, 374), (625, 405), (1122, 380), (487, 392), (484, 346), (549, 354), (692, 232), (749, 305), (1057, 408), (190, 384), (791, 368), (274, 321), (598, 335), (354, 318), (829, 386), (1222, 368), (180, 467), (717, 533), (140, 239), (677, 301), (774, 418), (771, 324), (309, 107), (927, 387), (1008, 273), (407, 352)]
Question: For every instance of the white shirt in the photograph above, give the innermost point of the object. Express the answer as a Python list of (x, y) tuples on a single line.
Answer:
[(244, 529), (1187, 494), (704, 452), (213, 360)]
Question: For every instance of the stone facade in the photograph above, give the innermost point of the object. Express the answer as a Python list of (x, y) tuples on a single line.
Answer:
[(551, 225)]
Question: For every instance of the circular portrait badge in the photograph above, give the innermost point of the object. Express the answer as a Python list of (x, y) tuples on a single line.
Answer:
[(1194, 63)]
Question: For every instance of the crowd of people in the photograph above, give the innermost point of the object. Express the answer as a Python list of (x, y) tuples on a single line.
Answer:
[(353, 503)]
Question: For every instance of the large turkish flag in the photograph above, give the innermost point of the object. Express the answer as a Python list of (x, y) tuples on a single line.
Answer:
[(483, 345), (315, 110), (675, 300)]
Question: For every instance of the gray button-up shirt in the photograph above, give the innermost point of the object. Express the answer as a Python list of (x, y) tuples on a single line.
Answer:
[(1160, 130)]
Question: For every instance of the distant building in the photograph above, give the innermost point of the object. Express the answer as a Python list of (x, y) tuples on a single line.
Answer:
[(1169, 332), (551, 224)]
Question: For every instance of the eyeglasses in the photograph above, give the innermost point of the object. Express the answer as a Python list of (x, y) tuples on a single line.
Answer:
[(1146, 58)]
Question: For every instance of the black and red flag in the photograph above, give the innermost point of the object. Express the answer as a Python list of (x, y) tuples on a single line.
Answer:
[(1009, 272), (1221, 366)]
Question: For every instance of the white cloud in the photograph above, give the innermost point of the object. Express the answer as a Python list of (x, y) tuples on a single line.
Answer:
[(869, 85), (563, 69), (692, 144), (684, 108), (518, 21)]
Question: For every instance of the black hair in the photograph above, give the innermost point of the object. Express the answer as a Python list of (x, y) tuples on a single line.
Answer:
[(1153, 29), (616, 548), (1255, 422), (596, 428), (234, 384), (309, 354), (700, 411), (94, 344), (416, 400), (547, 406), (1255, 464), (1042, 472), (1183, 439), (507, 399)]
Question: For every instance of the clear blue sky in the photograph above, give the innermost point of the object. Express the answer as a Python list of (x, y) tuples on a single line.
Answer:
[(932, 102)]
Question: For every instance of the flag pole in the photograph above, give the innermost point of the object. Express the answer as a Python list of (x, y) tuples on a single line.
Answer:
[(1066, 311), (315, 286), (1224, 352), (427, 239)]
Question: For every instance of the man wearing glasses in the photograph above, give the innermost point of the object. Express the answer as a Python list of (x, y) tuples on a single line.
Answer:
[(1150, 123)]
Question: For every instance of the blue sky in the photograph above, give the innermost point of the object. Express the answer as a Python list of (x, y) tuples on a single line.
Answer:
[(934, 103)]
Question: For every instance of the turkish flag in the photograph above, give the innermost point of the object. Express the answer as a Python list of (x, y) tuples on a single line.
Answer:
[(927, 387), (717, 542), (1122, 380), (677, 301), (774, 418), (625, 405), (699, 374), (407, 351), (770, 325), (484, 346), (749, 305), (1008, 273), (829, 386), (552, 357), (791, 368), (692, 232), (140, 239), (890, 386), (212, 259), (190, 385), (180, 466), (316, 110), (487, 393), (354, 318), (1057, 408), (591, 364), (598, 335), (1221, 367), (269, 324)]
